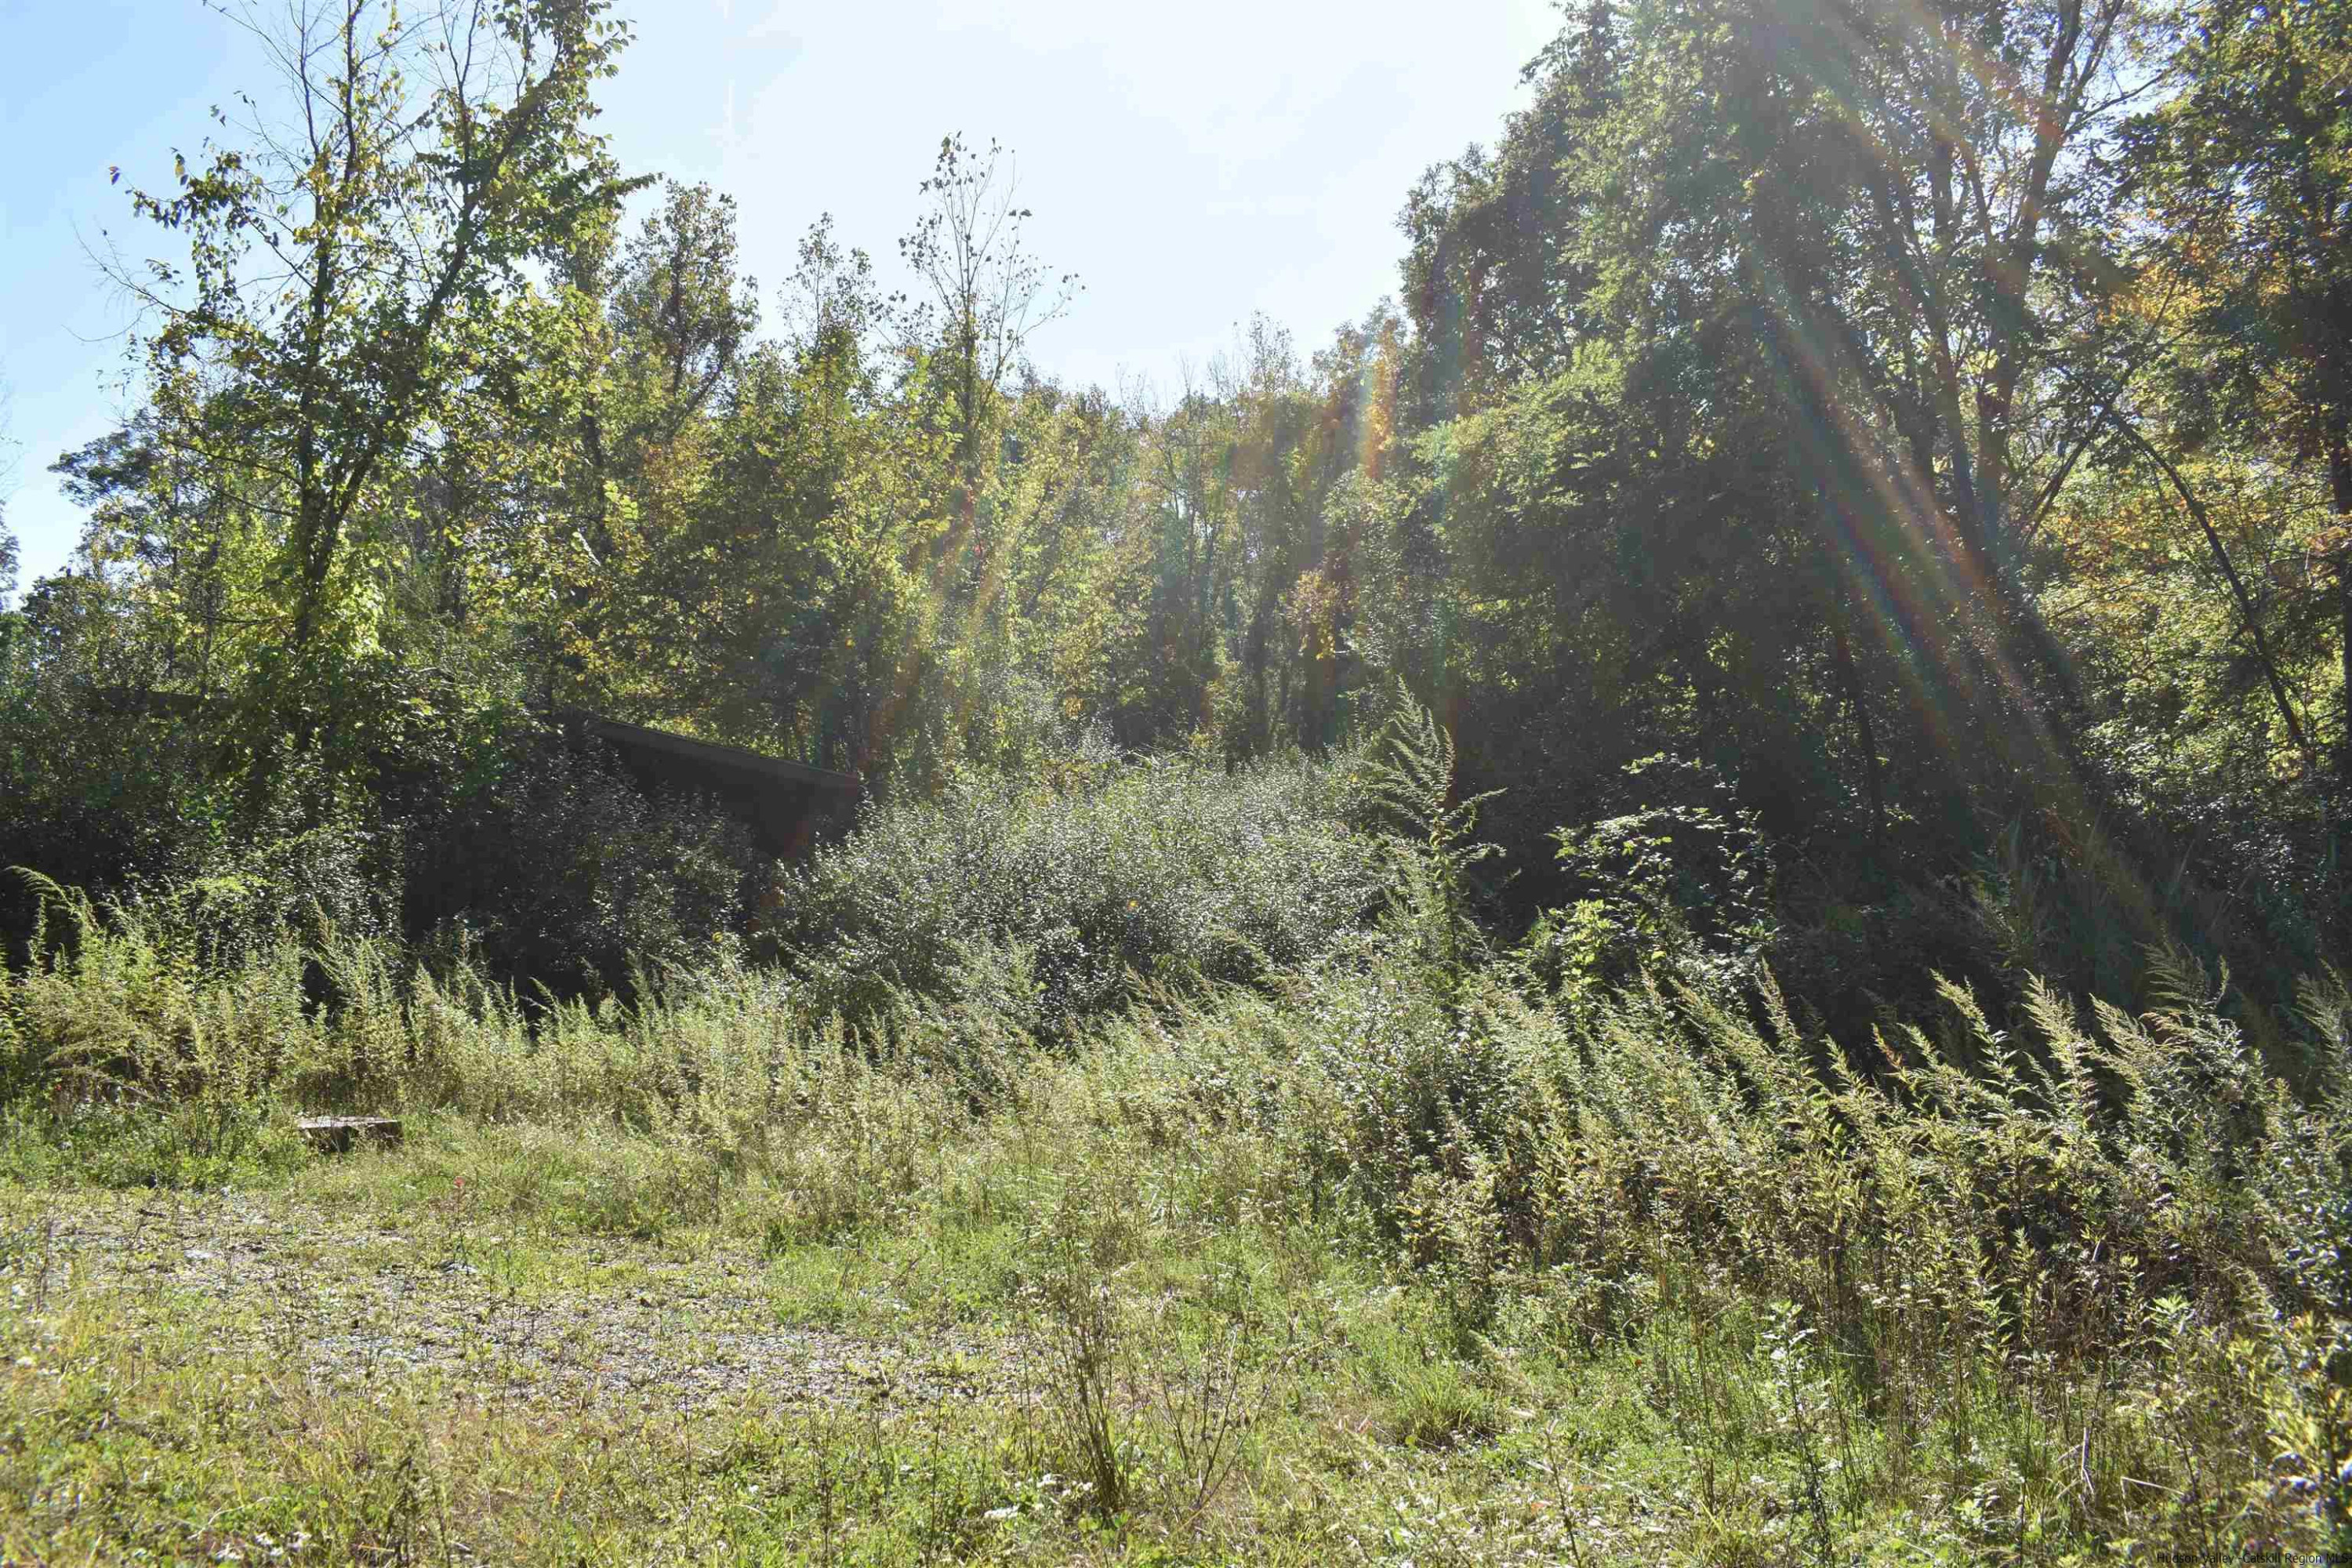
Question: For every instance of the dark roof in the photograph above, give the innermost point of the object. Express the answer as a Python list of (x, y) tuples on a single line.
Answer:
[(706, 757), (711, 754)]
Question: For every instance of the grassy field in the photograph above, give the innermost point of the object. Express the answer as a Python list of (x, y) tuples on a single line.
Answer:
[(414, 1357), (947, 1245), (1117, 1308), (421, 1356)]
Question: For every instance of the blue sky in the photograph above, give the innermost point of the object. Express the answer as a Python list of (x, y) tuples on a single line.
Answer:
[(1193, 163)]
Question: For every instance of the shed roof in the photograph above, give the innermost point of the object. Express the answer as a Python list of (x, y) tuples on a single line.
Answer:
[(712, 755)]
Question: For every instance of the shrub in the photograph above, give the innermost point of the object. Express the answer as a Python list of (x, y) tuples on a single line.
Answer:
[(1101, 872), (561, 872), (94, 788), (1680, 882)]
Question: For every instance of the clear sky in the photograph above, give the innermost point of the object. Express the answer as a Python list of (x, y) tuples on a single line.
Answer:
[(1194, 164)]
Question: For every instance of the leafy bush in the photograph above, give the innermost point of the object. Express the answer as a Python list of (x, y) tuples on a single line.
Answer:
[(309, 866), (1681, 882), (562, 872), (94, 789), (1101, 872)]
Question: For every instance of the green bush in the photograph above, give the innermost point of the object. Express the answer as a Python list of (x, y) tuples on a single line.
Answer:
[(1681, 882), (561, 873), (1103, 872), (95, 789)]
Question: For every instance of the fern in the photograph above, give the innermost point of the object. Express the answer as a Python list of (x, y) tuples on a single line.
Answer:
[(1409, 779)]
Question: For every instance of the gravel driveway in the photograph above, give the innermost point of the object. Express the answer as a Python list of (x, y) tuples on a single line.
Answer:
[(567, 1321)]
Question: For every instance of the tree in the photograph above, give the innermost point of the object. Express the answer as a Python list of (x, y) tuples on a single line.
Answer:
[(179, 535), (681, 313), (1496, 277), (339, 258), (759, 574), (2248, 172), (1906, 204), (986, 296), (1751, 338)]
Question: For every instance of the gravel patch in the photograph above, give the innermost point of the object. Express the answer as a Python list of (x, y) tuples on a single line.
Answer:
[(353, 1302)]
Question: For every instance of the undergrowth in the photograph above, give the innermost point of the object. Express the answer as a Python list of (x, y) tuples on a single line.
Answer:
[(2072, 1291)]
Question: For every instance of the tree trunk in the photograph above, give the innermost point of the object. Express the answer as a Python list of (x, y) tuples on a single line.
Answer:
[(2340, 472), (1866, 734)]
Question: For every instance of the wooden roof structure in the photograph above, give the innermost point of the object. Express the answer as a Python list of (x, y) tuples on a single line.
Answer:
[(784, 803)]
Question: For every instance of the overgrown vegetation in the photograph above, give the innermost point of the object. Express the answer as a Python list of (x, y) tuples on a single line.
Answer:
[(1546, 1267), (1683, 900), (1779, 423), (1094, 874)]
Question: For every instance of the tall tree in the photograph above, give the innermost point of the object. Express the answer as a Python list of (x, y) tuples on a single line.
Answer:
[(338, 256), (2250, 172), (682, 312), (1906, 199), (1495, 278), (1860, 239), (984, 295)]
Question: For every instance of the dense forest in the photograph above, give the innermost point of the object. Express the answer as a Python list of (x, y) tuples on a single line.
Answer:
[(1613, 784)]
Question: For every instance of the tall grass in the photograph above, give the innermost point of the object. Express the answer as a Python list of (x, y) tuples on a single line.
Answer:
[(2083, 1281)]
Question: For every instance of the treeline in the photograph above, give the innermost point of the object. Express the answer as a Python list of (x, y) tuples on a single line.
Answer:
[(1868, 486)]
